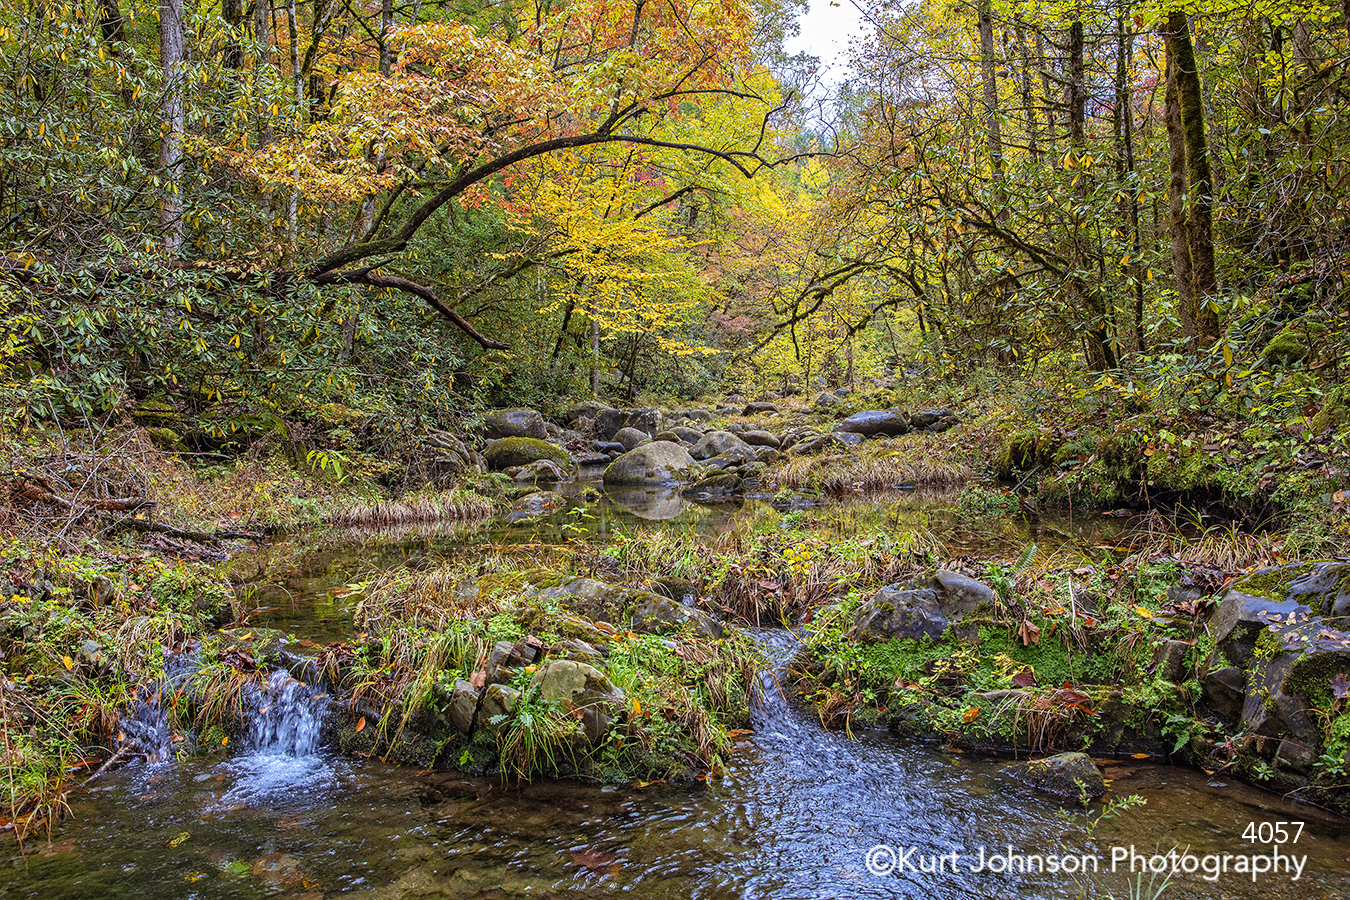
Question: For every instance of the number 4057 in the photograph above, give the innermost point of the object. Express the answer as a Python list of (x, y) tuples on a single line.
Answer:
[(1273, 832)]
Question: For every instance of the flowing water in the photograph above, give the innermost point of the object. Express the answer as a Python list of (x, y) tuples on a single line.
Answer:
[(793, 816)]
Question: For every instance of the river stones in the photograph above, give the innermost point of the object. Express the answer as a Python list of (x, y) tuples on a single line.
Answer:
[(584, 689), (512, 423), (888, 422), (1071, 775), (722, 443), (659, 462), (820, 443), (507, 453), (506, 656), (759, 408), (463, 705), (608, 422), (630, 437), (496, 707), (898, 612), (633, 608), (760, 438), (584, 409)]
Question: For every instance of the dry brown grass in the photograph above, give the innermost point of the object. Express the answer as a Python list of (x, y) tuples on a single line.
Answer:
[(909, 460), (418, 509)]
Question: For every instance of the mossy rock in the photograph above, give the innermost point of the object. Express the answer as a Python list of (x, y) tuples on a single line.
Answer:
[(1289, 346), (521, 451), (165, 438), (1335, 411)]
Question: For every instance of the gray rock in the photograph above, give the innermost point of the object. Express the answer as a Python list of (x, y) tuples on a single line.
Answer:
[(585, 409), (1224, 690), (630, 437), (648, 420), (635, 609), (535, 505), (719, 484), (1242, 617), (505, 657), (1170, 658), (495, 711), (667, 435), (687, 435), (759, 407), (655, 614), (463, 706), (821, 443), (509, 423), (658, 462), (925, 419), (608, 422), (759, 438), (851, 438), (541, 472), (896, 612), (719, 443), (582, 688), (1071, 775), (608, 447), (579, 651), (828, 401), (870, 422)]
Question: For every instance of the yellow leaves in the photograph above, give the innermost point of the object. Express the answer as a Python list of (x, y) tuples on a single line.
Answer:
[(68, 662), (1144, 612)]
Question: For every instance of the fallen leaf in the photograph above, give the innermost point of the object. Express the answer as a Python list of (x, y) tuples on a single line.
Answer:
[(1339, 496), (225, 740), (478, 679), (971, 714), (596, 861), (70, 663), (178, 838), (1025, 678), (360, 723), (1340, 686), (1139, 755), (1144, 611), (1029, 633), (637, 707)]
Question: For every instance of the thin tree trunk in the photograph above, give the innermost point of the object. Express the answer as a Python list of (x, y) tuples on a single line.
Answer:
[(1199, 181), (1178, 226), (1096, 342), (1033, 127), (232, 12), (1129, 186), (298, 83), (993, 128), (175, 122)]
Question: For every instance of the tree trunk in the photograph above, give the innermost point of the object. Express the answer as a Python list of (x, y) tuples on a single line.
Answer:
[(1178, 226), (1028, 105), (232, 12), (1097, 346), (1129, 186), (989, 76), (1199, 181), (175, 122)]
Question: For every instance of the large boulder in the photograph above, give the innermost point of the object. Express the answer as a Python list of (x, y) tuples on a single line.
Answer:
[(507, 453), (608, 422), (759, 408), (632, 608), (582, 689), (584, 409), (1071, 775), (541, 471), (687, 435), (511, 423), (719, 443), (898, 612), (659, 462), (870, 422)]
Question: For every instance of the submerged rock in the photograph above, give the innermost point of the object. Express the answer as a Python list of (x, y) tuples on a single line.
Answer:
[(1072, 775), (659, 462)]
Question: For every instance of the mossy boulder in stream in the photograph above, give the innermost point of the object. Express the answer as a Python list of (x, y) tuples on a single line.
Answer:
[(1071, 775), (657, 463), (521, 451)]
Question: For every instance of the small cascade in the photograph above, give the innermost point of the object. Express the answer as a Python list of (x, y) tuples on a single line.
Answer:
[(283, 758), (147, 722), (288, 719)]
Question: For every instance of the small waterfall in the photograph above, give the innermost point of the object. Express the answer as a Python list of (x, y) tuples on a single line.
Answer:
[(147, 722), (288, 720), (283, 758)]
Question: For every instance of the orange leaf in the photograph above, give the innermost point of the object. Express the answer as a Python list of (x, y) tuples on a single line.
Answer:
[(70, 663), (1139, 755), (361, 723)]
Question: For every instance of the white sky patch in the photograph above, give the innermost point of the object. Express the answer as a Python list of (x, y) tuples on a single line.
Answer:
[(826, 29)]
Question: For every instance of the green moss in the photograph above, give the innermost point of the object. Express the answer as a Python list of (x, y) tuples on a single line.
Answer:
[(1335, 411), (520, 451), (1289, 346), (1274, 582)]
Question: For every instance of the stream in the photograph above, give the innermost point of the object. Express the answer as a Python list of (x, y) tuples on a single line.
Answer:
[(793, 816)]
